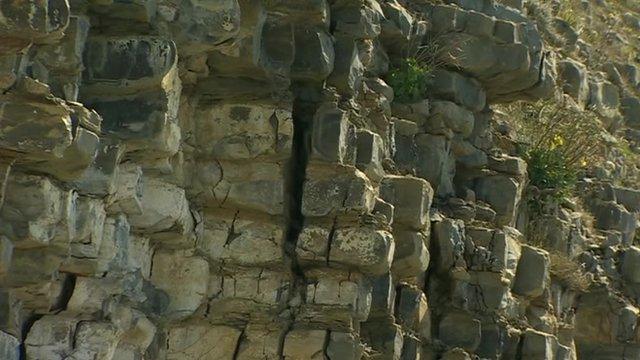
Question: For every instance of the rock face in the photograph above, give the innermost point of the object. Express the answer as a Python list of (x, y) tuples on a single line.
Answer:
[(232, 179)]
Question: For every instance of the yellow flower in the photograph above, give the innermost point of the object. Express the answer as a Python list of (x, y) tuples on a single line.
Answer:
[(557, 141)]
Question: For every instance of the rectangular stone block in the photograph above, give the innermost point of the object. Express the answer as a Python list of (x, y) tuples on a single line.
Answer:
[(458, 329), (502, 193), (314, 55), (100, 178), (32, 220), (435, 162), (344, 345), (332, 191), (241, 240), (365, 249), (538, 345), (9, 347), (89, 227), (304, 344), (107, 253), (450, 241), (51, 337), (137, 62), (164, 207), (140, 255), (411, 255), (460, 89), (383, 297), (257, 186), (369, 154), (333, 136), (384, 337), (411, 199), (36, 129), (412, 311), (488, 291), (127, 197), (532, 274), (247, 294), (201, 340), (184, 278), (247, 130), (260, 341), (336, 298)]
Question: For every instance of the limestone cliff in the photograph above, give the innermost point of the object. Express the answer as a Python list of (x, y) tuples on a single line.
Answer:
[(238, 179)]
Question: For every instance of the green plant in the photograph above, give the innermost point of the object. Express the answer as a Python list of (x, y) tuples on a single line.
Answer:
[(409, 80), (559, 141), (422, 55), (549, 169)]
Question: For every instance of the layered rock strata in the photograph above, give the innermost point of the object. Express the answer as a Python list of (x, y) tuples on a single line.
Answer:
[(232, 179)]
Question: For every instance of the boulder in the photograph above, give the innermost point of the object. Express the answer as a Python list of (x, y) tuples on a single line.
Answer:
[(575, 82), (532, 274)]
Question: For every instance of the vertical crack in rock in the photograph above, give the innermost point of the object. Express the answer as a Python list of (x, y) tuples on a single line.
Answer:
[(331, 237), (236, 351), (232, 234), (68, 286), (26, 327), (302, 114), (325, 346), (519, 350)]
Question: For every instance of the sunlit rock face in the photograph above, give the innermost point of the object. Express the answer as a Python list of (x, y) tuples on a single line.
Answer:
[(236, 179)]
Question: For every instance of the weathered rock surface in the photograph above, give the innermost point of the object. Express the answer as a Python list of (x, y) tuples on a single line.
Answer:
[(235, 179)]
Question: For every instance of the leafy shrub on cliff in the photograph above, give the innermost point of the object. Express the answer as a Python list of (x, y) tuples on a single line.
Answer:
[(548, 169), (560, 142), (409, 80), (410, 76)]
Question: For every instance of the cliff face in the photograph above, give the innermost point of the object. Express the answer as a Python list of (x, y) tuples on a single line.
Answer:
[(233, 179)]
